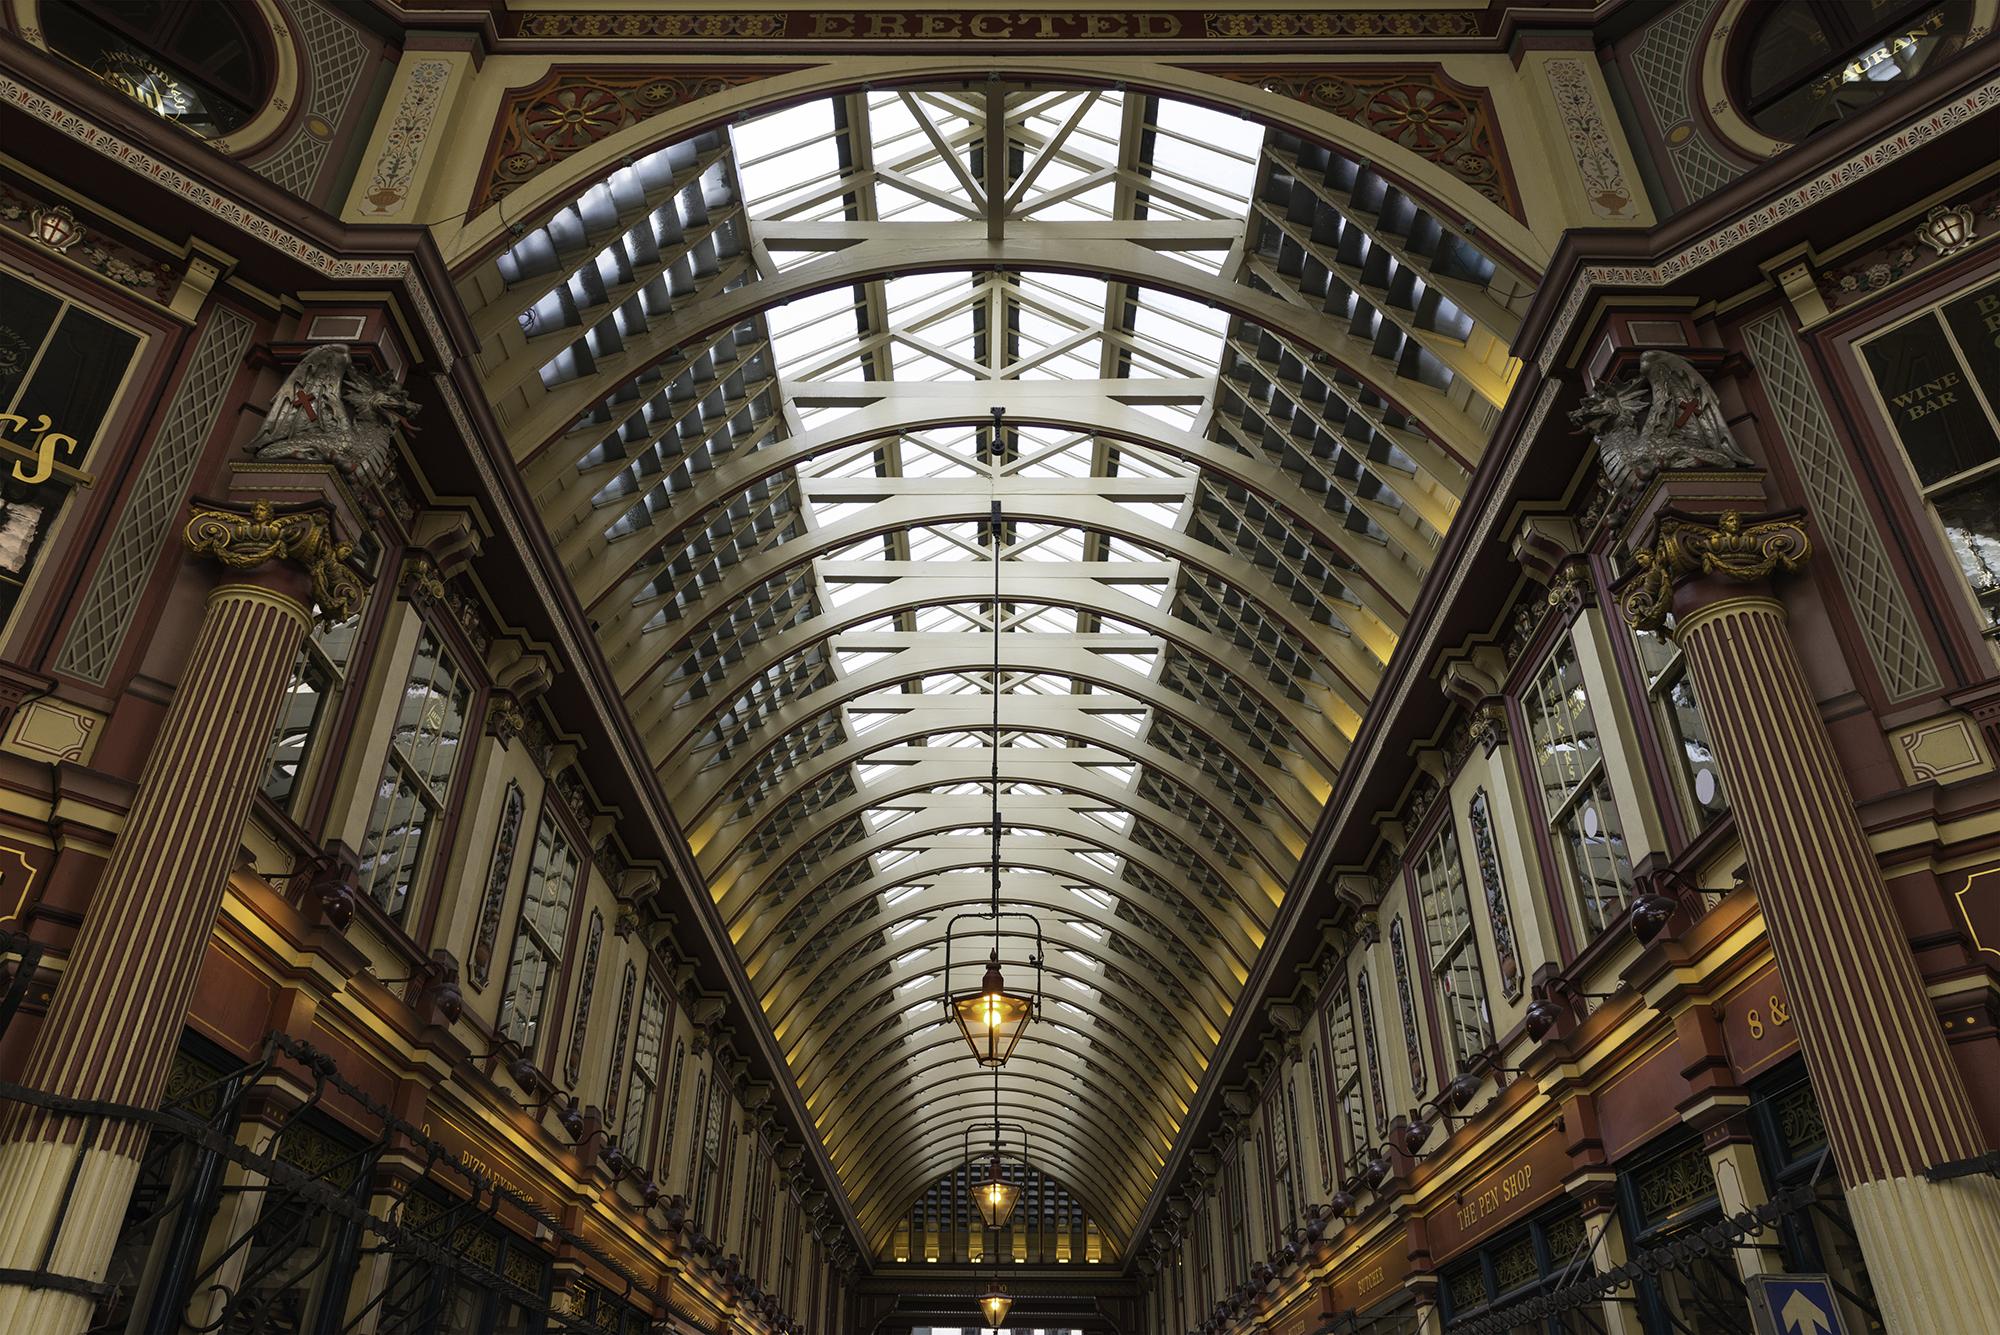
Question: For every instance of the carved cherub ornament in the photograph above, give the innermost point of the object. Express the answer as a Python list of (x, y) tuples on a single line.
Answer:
[(329, 410), (1663, 417)]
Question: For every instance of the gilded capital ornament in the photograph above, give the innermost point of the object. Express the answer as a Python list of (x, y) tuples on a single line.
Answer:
[(304, 537), (1685, 547)]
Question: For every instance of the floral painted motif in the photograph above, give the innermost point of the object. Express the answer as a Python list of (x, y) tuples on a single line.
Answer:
[(498, 872), (572, 109), (611, 1082), (579, 1027), (1497, 915), (1406, 1000), (1364, 1004), (1590, 144), (1417, 106), (404, 148)]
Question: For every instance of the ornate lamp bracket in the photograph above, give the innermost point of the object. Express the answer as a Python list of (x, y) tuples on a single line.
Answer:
[(1686, 547)]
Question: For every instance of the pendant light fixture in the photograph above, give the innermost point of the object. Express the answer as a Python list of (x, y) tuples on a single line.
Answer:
[(992, 1018), (993, 1196), (995, 1305)]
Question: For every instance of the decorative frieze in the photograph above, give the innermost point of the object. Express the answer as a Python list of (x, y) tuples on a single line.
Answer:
[(579, 1029), (499, 871), (1507, 958), (1406, 1000)]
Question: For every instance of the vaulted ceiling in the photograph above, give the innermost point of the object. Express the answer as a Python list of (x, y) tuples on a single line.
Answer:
[(748, 379)]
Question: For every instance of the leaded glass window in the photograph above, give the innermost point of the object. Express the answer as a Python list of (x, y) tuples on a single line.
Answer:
[(544, 926), (1582, 816), (645, 1065), (317, 676), (1456, 977), (1671, 690), (1348, 1098), (416, 777)]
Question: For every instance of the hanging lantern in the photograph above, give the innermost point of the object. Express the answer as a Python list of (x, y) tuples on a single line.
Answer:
[(994, 1196), (56, 228), (992, 1018), (995, 1305)]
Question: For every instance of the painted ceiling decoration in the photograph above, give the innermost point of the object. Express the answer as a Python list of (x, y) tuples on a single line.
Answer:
[(749, 377)]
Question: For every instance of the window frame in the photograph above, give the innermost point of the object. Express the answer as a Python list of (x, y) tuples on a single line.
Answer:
[(642, 1135), (1593, 780), (555, 820), (429, 864), (1985, 622), (1438, 959)]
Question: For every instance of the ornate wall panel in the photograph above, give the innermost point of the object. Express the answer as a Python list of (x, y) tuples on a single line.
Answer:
[(409, 131), (573, 108), (1663, 59), (335, 58), (113, 596), (1880, 606), (1417, 106)]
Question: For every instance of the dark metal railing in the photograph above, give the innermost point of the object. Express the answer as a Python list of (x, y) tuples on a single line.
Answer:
[(255, 1237)]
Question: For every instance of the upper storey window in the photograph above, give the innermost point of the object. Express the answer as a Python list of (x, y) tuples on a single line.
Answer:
[(193, 62), (1806, 64), (1583, 817)]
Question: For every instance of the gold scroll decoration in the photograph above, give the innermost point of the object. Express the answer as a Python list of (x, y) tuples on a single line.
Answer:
[(1684, 547), (304, 537)]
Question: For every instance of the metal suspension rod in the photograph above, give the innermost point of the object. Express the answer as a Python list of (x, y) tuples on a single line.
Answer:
[(993, 458)]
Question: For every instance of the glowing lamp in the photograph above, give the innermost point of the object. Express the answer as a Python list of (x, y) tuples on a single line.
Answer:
[(995, 1306), (994, 1197), (991, 1019)]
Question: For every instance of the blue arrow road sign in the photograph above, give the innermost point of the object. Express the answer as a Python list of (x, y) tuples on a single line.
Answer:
[(1795, 1305)]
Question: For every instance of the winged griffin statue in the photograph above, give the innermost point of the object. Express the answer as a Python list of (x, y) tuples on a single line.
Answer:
[(329, 410), (1663, 417)]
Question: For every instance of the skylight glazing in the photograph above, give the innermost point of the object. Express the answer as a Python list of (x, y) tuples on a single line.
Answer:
[(1244, 382)]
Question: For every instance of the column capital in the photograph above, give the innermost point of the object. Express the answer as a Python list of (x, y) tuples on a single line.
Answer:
[(244, 541), (1727, 547)]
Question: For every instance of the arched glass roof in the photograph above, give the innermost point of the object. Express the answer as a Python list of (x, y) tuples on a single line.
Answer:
[(748, 378)]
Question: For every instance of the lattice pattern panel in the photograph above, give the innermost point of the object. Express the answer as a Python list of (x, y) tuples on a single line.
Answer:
[(1662, 58), (1245, 790), (1840, 514), (335, 55), (113, 596)]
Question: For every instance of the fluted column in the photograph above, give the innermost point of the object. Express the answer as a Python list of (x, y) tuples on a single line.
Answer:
[(1892, 1100), (115, 1019)]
